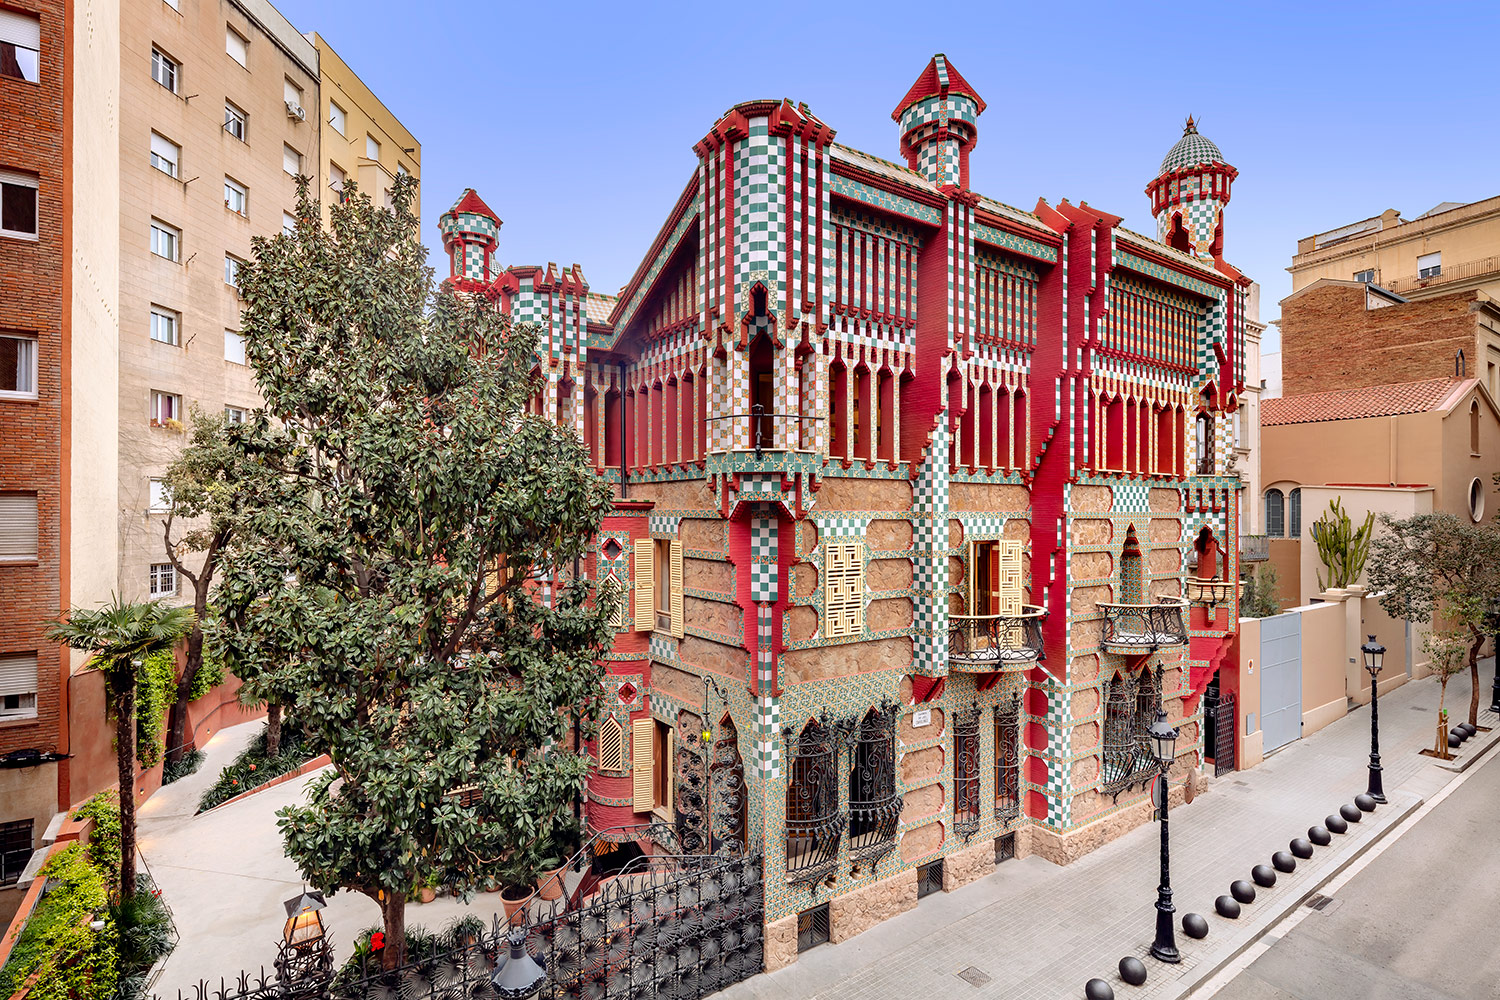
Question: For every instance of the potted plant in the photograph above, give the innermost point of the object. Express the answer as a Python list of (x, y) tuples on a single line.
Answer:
[(516, 889), (555, 851), (426, 890)]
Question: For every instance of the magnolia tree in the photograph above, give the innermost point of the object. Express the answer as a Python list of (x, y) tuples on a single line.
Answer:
[(381, 587), (1443, 570)]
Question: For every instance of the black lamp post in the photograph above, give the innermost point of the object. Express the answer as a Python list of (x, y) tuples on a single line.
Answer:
[(1374, 654), (1495, 688), (517, 976), (1164, 745)]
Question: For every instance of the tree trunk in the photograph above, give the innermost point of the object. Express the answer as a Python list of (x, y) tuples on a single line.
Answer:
[(393, 916), (125, 762), (1474, 649), (273, 729), (177, 719)]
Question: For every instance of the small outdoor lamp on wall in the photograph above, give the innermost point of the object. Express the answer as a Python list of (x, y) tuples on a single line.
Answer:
[(517, 976), (304, 927)]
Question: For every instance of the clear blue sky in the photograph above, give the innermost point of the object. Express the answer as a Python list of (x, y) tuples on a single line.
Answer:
[(575, 121)]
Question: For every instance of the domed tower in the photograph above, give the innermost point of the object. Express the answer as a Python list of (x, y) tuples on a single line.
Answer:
[(471, 232), (939, 122), (1189, 194)]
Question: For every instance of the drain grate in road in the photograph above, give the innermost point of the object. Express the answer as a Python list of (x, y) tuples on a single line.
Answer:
[(973, 976), (1321, 903)]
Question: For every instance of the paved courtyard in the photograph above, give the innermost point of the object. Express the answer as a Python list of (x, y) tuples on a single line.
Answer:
[(1030, 930)]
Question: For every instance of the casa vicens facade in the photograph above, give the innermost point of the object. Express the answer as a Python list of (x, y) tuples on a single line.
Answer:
[(925, 503)]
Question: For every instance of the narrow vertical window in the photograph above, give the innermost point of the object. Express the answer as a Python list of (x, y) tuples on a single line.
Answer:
[(18, 366)]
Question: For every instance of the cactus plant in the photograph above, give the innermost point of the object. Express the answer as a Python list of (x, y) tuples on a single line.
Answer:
[(1342, 549)]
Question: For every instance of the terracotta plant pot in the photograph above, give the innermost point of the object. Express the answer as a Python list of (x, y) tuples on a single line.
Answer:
[(548, 887), (427, 894), (513, 899)]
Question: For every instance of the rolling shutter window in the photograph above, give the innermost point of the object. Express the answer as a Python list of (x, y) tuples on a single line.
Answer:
[(611, 745), (18, 531), (235, 45), (21, 30), (18, 686), (843, 589), (643, 763), (677, 589), (645, 585)]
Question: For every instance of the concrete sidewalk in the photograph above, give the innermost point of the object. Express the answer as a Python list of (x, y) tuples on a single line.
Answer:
[(1035, 930)]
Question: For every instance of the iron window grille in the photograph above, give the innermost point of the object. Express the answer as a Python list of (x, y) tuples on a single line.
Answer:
[(966, 772), (1008, 760), (930, 878), (15, 849), (1129, 710), (814, 825), (1005, 847), (812, 927), (874, 806)]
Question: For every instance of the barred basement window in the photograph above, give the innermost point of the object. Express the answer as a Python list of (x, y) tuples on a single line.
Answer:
[(1008, 760), (930, 878), (843, 589), (1005, 848), (814, 824), (1129, 710), (611, 745), (812, 927), (15, 849), (874, 806), (966, 772)]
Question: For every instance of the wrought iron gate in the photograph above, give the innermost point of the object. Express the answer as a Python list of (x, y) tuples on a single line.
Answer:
[(1218, 728)]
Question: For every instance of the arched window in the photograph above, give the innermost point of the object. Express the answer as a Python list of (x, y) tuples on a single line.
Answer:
[(814, 824), (1474, 427), (1130, 570), (611, 745), (1275, 514), (1205, 442), (1008, 759), (1294, 513), (874, 806)]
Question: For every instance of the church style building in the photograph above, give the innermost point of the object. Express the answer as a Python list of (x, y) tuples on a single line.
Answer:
[(924, 504)]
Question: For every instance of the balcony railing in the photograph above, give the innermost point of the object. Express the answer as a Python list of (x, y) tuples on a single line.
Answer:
[(773, 431), (1212, 593), (1255, 548), (982, 643), (1143, 628), (1449, 272)]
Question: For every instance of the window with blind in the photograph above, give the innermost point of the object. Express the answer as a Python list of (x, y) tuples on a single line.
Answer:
[(18, 527), (17, 685), (236, 197), (234, 347), (164, 326), (235, 121), (291, 160), (237, 46), (611, 745), (337, 118), (165, 240), (843, 589), (18, 205), (164, 70), (20, 46), (165, 154)]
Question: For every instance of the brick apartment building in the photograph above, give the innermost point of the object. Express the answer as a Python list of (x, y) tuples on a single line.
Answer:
[(34, 415)]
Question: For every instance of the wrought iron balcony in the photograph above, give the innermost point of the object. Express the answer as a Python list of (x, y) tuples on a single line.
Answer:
[(1255, 548), (770, 431), (982, 643), (1212, 593), (1144, 628)]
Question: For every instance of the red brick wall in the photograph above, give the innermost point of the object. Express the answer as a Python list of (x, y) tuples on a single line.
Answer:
[(32, 432), (1331, 341)]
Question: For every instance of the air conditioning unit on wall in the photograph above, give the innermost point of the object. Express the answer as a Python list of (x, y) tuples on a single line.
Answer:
[(295, 111)]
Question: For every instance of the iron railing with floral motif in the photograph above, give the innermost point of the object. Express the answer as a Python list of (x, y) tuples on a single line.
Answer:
[(1139, 628), (966, 772), (1008, 760), (874, 806), (1129, 709), (814, 824), (995, 642)]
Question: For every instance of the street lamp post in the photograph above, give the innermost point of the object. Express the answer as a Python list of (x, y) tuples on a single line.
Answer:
[(1164, 745), (1495, 688), (1374, 654)]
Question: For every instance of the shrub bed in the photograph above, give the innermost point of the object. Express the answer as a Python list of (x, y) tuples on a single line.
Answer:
[(253, 768), (70, 959)]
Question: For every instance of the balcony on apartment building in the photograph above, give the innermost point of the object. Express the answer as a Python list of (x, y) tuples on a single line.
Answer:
[(1443, 274), (1144, 628), (1255, 548), (985, 643)]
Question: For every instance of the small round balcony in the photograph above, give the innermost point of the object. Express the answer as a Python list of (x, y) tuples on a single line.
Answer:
[(1212, 593), (981, 644), (1134, 629)]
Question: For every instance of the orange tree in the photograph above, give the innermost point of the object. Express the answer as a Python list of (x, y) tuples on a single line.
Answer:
[(379, 587)]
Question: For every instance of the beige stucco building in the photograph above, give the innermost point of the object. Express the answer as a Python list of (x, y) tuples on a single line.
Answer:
[(1451, 247), (360, 139)]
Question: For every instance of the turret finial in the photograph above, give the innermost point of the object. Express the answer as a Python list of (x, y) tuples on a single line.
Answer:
[(1191, 128)]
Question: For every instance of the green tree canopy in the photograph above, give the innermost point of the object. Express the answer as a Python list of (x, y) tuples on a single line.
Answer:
[(383, 585)]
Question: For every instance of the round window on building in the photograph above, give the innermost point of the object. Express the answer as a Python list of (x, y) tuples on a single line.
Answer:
[(1476, 501)]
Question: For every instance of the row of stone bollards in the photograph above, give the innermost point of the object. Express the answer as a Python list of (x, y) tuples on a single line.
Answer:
[(1242, 893)]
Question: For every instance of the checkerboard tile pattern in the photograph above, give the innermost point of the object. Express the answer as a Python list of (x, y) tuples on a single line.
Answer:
[(764, 568)]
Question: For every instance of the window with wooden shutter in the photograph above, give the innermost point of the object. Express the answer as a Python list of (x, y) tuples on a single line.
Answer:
[(642, 762), (843, 589), (611, 745), (677, 589), (18, 527), (645, 585)]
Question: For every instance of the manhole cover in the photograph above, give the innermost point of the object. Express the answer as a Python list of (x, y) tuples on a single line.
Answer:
[(1321, 903), (973, 976)]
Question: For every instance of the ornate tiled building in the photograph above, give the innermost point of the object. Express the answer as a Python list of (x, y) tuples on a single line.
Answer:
[(921, 503)]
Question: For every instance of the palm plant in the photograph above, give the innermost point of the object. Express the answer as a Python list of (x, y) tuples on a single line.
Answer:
[(119, 636)]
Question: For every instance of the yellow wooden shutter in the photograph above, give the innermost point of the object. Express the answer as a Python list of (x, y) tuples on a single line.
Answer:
[(611, 745), (645, 585), (677, 589), (669, 769), (643, 765), (843, 589), (1010, 577)]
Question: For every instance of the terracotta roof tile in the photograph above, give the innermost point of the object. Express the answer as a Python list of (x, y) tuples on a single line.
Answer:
[(1353, 404)]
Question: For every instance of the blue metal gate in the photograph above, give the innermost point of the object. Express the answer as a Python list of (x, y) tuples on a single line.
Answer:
[(1280, 680)]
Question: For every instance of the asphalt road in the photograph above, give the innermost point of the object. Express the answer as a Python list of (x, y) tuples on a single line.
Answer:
[(1420, 922)]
